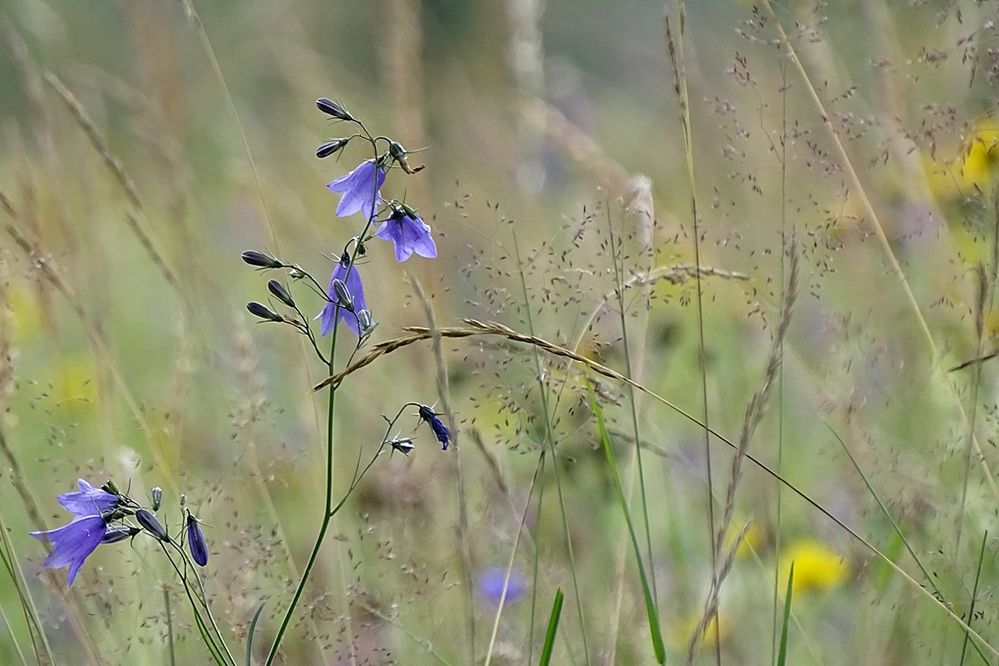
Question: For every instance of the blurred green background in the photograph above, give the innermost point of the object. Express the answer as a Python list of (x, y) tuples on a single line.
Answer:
[(129, 191)]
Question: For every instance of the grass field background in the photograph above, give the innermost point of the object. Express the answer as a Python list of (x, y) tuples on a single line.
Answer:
[(846, 152)]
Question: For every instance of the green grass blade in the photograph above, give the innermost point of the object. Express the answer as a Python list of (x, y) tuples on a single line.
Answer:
[(546, 651), (650, 605), (249, 635), (782, 651), (974, 594)]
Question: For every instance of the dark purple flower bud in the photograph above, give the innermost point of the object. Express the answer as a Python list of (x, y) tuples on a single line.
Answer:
[(151, 525), (440, 430), (116, 533), (260, 260), (73, 543), (157, 494), (196, 540), (262, 311), (331, 108), (342, 294), (280, 293), (330, 147)]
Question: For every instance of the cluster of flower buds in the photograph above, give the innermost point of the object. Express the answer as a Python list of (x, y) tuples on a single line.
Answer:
[(103, 516)]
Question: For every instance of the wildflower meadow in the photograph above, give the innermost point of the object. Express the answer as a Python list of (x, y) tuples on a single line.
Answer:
[(494, 333)]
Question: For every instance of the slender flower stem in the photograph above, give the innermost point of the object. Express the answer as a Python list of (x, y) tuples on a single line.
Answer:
[(328, 510)]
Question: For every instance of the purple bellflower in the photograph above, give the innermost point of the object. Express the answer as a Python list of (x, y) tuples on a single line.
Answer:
[(361, 189), (440, 430), (196, 541), (352, 282), (490, 585), (73, 543), (88, 501), (409, 233)]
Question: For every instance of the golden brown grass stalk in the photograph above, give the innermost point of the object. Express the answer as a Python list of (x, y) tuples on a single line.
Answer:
[(114, 165), (753, 415)]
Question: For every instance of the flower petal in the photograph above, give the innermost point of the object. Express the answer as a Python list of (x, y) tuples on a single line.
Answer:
[(88, 501), (73, 543)]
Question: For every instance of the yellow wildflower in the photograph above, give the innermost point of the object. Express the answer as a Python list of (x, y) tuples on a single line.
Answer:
[(816, 566), (685, 627), (73, 382)]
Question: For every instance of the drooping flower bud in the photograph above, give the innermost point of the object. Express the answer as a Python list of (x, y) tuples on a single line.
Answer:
[(280, 293), (196, 540), (330, 147), (151, 525), (157, 494), (440, 430), (343, 296), (331, 108), (262, 311), (260, 260)]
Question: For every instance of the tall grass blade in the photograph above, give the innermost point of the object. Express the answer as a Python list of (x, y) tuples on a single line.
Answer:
[(249, 635), (546, 651), (974, 595), (650, 605), (782, 651)]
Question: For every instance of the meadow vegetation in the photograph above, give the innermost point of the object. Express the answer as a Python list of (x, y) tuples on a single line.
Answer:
[(694, 364)]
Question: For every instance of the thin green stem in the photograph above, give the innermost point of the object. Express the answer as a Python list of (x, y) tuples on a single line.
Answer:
[(537, 557), (680, 76), (328, 508), (169, 624), (780, 371), (327, 516), (550, 437)]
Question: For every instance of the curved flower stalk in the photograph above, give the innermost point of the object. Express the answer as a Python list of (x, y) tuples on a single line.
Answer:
[(343, 299)]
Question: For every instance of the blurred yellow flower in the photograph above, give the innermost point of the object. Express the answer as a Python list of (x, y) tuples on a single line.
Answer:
[(982, 158), (816, 566), (685, 627), (754, 540), (976, 166), (73, 382), (24, 310)]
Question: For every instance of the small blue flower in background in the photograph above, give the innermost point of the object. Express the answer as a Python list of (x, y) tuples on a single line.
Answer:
[(440, 430), (88, 501), (357, 188), (409, 233), (490, 585), (356, 289), (196, 540), (73, 543)]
